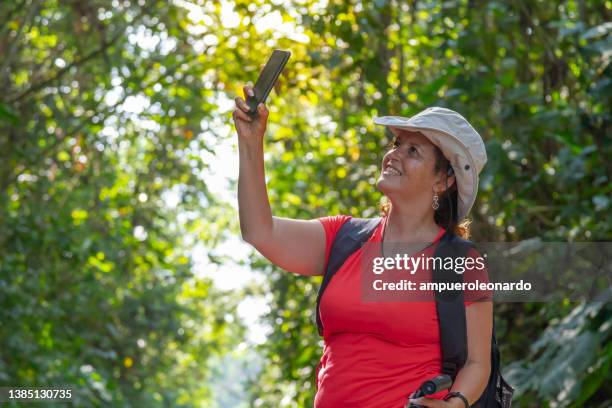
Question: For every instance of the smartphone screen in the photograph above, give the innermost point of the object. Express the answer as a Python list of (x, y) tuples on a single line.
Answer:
[(267, 78)]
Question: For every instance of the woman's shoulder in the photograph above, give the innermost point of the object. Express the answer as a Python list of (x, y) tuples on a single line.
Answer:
[(334, 219), (337, 221)]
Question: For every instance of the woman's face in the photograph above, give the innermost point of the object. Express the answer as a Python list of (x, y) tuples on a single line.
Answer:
[(408, 168)]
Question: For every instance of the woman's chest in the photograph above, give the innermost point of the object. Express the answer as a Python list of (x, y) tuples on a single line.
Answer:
[(344, 308)]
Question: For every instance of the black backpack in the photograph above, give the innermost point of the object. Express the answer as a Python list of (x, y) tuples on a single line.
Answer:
[(450, 306)]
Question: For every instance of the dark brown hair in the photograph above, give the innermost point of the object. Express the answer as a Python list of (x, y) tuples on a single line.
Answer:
[(446, 215)]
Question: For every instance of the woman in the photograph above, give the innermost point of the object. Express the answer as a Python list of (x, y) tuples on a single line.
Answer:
[(372, 357)]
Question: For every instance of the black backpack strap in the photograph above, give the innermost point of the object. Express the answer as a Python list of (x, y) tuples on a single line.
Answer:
[(450, 307), (453, 329), (351, 236)]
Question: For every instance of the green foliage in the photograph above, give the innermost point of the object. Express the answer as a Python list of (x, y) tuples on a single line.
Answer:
[(101, 101), (110, 113), (571, 360), (533, 77)]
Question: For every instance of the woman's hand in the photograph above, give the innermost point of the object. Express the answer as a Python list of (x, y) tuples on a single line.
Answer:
[(436, 403), (250, 129)]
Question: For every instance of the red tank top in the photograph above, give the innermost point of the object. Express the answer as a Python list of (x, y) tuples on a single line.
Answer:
[(376, 353)]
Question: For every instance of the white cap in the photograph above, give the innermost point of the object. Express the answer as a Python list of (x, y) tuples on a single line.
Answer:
[(459, 142)]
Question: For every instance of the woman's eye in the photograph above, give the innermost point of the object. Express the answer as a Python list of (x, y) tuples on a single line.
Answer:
[(412, 150)]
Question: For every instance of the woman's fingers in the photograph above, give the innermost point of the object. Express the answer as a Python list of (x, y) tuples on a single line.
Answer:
[(262, 118), (239, 114), (263, 112), (429, 402), (248, 91), (242, 109), (241, 103)]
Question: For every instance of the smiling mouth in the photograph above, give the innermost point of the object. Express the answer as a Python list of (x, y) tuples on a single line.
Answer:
[(391, 171)]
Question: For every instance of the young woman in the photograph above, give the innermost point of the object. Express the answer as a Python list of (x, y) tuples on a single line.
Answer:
[(376, 353)]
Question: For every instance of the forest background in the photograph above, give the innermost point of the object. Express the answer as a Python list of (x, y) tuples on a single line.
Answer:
[(122, 272)]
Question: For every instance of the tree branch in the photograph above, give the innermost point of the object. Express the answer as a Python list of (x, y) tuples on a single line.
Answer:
[(107, 111), (10, 14), (13, 46), (64, 70), (88, 57)]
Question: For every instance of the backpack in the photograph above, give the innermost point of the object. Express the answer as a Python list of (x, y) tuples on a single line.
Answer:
[(450, 306)]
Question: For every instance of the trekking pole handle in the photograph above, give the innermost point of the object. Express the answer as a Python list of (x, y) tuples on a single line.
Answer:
[(436, 384)]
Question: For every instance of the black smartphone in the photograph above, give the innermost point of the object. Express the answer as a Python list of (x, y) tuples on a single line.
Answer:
[(267, 77)]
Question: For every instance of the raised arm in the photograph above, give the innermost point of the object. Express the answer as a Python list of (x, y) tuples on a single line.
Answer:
[(295, 245)]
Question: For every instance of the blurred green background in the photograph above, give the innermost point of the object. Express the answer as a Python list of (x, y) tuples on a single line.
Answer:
[(121, 268)]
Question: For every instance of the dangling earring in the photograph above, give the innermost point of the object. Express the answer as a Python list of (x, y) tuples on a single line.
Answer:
[(435, 205)]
